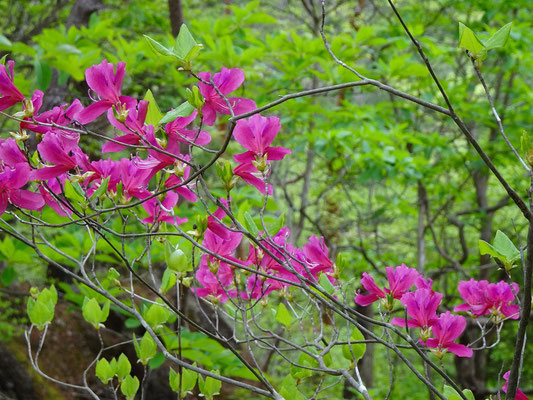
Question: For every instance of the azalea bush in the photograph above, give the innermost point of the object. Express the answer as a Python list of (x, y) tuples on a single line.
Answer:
[(156, 217)]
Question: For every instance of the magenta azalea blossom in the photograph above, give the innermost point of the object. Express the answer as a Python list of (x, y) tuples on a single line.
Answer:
[(53, 187), (135, 180), (133, 127), (256, 134), (248, 173), (215, 284), (317, 255), (162, 211), (107, 83), (58, 116), (53, 150), (484, 298), (10, 153), (519, 394), (10, 94), (176, 130), (422, 306), (448, 328), (11, 181), (400, 280), (226, 81)]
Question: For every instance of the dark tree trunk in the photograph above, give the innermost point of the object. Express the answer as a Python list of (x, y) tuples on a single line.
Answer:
[(175, 10)]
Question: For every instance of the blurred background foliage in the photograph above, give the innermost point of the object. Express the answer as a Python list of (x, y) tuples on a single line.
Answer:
[(383, 180)]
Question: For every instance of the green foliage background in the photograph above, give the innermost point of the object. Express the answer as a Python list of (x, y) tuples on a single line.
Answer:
[(361, 159)]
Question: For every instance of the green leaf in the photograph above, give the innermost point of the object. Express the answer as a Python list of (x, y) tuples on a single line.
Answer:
[(326, 284), (129, 387), (289, 389), (451, 393), (39, 313), (92, 312), (283, 316), (184, 42), (154, 115), (486, 248), (250, 224), (188, 381), (156, 316), (176, 259), (183, 110), (146, 349), (505, 246), (469, 41), (102, 189), (74, 191), (167, 281), (193, 53), (158, 48), (209, 387), (5, 43), (8, 276), (499, 39), (157, 361), (43, 72), (358, 349), (123, 367), (305, 360), (103, 371)]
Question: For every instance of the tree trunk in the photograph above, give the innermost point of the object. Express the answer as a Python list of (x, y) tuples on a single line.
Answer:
[(175, 10)]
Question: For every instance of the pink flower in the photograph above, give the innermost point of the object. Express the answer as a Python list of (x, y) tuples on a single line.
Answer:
[(10, 153), (400, 280), (162, 211), (55, 187), (519, 394), (10, 94), (58, 115), (226, 81), (106, 83), (317, 256), (176, 130), (448, 328), (53, 150), (11, 181), (256, 134), (422, 306), (483, 298), (215, 284), (248, 173), (135, 180), (133, 126)]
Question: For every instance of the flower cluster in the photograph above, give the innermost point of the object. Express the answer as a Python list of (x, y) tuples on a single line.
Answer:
[(484, 298), (280, 265), (60, 159), (438, 331)]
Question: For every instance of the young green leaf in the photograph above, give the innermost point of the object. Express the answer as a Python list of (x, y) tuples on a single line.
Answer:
[(469, 41), (158, 48), (358, 349), (283, 316), (156, 316), (250, 224), (209, 387), (183, 110), (146, 349), (102, 189), (103, 371), (123, 367), (188, 381), (184, 42), (129, 387), (499, 39), (153, 115)]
